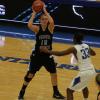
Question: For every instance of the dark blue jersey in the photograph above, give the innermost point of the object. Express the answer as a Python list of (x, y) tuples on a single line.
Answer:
[(43, 38)]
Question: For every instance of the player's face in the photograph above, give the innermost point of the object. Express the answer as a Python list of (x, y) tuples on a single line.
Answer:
[(44, 20)]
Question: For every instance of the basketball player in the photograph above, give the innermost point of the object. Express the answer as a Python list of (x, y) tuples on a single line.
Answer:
[(82, 53), (44, 34), (98, 84)]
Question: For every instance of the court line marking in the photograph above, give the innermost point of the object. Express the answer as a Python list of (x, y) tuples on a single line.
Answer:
[(71, 27), (14, 33), (58, 38)]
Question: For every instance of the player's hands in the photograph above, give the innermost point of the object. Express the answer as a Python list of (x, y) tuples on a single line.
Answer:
[(44, 49), (33, 11), (33, 14)]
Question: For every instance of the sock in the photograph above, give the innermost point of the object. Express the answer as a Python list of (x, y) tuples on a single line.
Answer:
[(55, 89), (23, 87)]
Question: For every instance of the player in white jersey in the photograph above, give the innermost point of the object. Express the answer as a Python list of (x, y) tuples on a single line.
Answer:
[(82, 53)]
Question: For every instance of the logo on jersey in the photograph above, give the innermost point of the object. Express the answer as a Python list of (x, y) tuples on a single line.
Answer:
[(44, 37)]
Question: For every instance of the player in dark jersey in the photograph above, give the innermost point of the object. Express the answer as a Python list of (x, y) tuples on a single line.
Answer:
[(44, 34), (98, 84)]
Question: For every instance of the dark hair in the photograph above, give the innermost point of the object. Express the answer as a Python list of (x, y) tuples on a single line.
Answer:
[(78, 38), (98, 79)]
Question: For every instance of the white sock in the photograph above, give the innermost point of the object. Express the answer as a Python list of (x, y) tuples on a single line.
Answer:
[(85, 98)]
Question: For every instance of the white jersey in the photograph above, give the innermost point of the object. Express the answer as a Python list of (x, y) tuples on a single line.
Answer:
[(83, 56)]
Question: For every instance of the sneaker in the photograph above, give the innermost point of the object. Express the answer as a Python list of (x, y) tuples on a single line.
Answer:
[(58, 96), (21, 95)]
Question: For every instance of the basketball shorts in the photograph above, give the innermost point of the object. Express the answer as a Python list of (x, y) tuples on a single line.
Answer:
[(38, 60), (82, 79)]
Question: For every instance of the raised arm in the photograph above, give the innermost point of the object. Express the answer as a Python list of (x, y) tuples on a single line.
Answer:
[(32, 27), (51, 21)]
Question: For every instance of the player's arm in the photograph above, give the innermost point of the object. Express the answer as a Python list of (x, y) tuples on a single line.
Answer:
[(92, 52), (51, 21), (99, 97), (59, 53), (32, 27)]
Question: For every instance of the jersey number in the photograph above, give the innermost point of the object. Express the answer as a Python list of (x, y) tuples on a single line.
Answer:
[(44, 42), (85, 53)]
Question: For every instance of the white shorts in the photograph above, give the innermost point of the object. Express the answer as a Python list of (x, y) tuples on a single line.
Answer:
[(82, 79)]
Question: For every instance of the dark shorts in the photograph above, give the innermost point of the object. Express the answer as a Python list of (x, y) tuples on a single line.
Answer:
[(39, 60)]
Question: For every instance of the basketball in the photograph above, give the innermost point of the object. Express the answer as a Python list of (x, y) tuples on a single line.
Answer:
[(37, 5)]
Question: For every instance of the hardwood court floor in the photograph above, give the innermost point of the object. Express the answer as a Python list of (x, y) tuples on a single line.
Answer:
[(11, 74)]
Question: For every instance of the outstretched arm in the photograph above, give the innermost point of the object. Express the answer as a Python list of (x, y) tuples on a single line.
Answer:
[(58, 53)]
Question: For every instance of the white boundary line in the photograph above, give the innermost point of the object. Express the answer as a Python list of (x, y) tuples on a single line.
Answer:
[(15, 33), (64, 39), (80, 28)]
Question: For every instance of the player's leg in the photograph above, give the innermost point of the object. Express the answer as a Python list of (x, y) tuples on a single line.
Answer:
[(97, 79), (54, 81), (75, 85), (85, 93), (85, 78), (69, 93), (56, 93), (51, 67), (34, 66), (28, 77)]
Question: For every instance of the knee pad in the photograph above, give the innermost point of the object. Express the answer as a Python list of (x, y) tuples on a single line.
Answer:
[(26, 78)]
